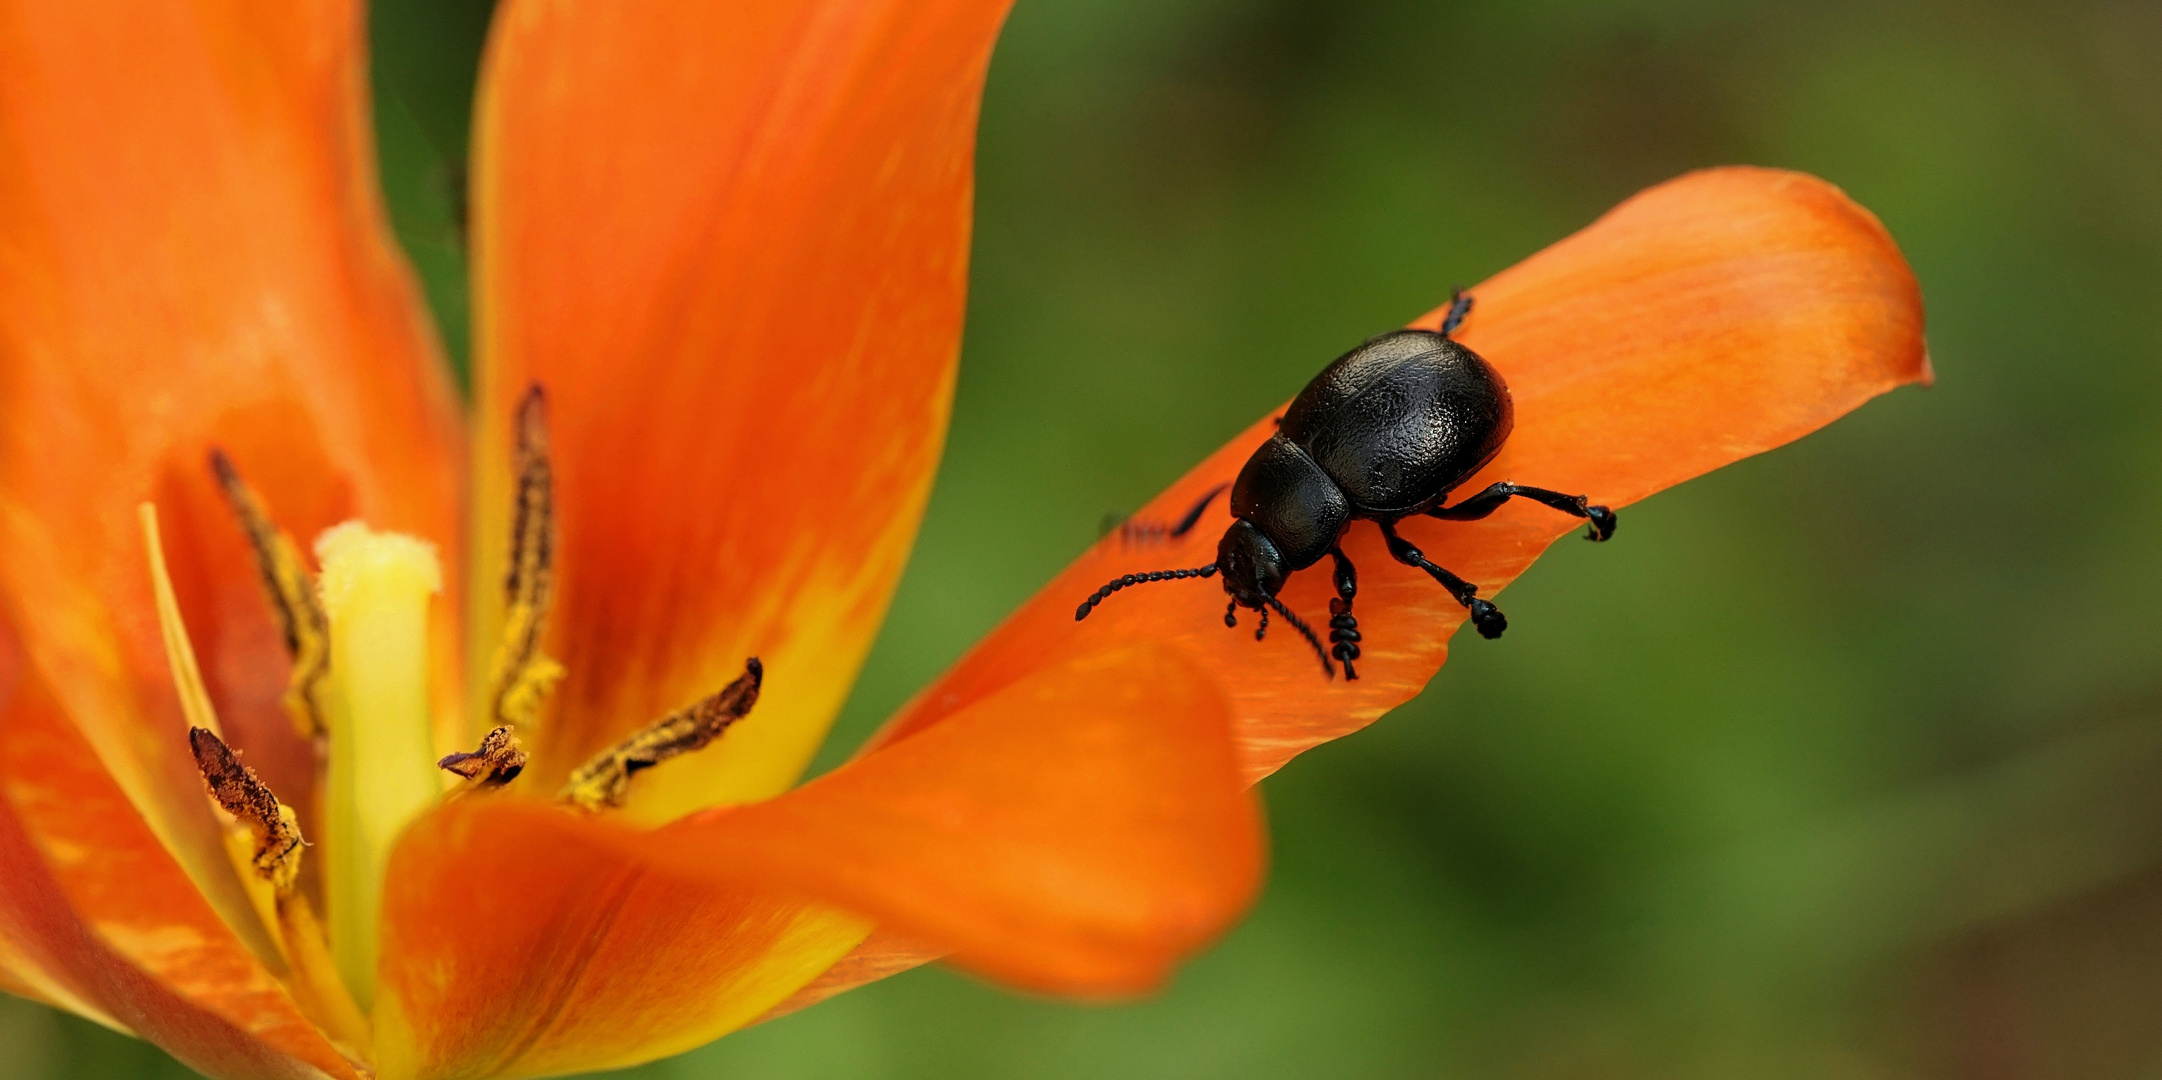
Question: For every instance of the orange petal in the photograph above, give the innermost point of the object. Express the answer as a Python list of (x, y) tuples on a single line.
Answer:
[(196, 255), (1078, 833), (883, 954), (518, 945), (1707, 319), (96, 917), (731, 240)]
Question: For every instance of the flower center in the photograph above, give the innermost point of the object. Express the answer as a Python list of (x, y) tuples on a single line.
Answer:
[(359, 689)]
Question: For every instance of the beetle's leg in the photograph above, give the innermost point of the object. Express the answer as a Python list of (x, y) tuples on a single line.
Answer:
[(1484, 615), (1459, 306), (1343, 625), (1143, 531), (1486, 502)]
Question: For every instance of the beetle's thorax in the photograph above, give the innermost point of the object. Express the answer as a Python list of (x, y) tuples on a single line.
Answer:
[(1287, 498)]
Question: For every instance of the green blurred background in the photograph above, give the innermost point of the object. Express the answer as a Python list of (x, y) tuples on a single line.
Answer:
[(1843, 762)]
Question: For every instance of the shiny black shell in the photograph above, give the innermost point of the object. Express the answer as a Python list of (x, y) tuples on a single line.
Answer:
[(1402, 420), (1386, 431)]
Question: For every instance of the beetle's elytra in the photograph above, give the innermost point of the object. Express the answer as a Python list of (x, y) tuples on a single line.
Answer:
[(1384, 433)]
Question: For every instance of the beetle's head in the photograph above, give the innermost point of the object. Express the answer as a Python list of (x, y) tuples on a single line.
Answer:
[(1253, 569)]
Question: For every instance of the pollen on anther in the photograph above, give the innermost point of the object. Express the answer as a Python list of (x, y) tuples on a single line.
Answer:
[(236, 788), (604, 782), (496, 762)]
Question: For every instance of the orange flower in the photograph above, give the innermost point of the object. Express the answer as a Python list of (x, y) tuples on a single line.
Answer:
[(730, 242)]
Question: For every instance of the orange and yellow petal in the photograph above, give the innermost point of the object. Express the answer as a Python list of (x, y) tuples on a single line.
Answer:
[(520, 946), (96, 916), (881, 955), (195, 257), (1078, 833), (731, 240), (1705, 320)]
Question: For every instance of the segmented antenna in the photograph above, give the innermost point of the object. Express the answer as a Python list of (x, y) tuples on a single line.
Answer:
[(1116, 584), (1144, 531), (1305, 631), (1459, 306)]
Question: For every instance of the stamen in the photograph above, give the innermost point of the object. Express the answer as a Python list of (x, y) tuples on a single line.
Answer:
[(235, 786), (605, 781), (265, 837), (375, 590), (521, 675), (179, 651), (497, 762), (313, 977), (292, 598)]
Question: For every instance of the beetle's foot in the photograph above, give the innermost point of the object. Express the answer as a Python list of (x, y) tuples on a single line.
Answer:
[(1603, 522), (1488, 618), (1344, 636)]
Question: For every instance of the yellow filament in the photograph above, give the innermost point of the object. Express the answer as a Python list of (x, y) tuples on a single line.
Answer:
[(375, 589), (308, 972), (196, 707), (179, 652)]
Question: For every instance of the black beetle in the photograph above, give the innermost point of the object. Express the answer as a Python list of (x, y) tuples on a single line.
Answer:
[(1384, 433)]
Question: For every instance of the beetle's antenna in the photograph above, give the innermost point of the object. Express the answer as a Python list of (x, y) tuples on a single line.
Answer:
[(1134, 532), (1459, 306), (1116, 584), (1305, 631)]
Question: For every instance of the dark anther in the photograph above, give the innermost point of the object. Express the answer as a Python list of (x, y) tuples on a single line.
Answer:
[(605, 780), (497, 762), (243, 795)]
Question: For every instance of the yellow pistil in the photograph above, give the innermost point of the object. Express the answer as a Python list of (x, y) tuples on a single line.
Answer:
[(375, 590)]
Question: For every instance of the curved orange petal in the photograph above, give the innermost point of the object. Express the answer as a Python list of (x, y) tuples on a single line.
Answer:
[(881, 955), (1704, 320), (1077, 833), (523, 948), (97, 917), (731, 240), (195, 256)]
